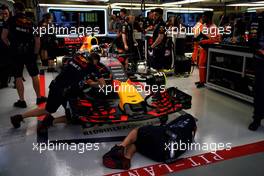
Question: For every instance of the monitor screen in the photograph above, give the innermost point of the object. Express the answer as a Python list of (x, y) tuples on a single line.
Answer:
[(92, 19), (188, 19)]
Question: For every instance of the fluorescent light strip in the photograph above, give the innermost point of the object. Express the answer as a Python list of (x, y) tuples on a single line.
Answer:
[(137, 4), (172, 8), (259, 2), (183, 2), (175, 4), (185, 11), (89, 0), (251, 11), (134, 4), (146, 12), (85, 9), (73, 6), (133, 8), (255, 8), (246, 5), (190, 9)]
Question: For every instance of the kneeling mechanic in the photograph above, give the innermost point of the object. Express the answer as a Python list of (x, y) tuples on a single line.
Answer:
[(77, 69)]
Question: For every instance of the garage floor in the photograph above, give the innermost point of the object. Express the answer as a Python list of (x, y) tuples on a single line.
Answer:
[(221, 119)]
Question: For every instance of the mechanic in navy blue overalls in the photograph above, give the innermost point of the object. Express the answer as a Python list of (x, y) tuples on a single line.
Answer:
[(259, 82), (76, 71), (19, 36), (159, 40), (125, 39)]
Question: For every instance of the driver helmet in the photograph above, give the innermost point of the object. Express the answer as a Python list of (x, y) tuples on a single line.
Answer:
[(95, 49)]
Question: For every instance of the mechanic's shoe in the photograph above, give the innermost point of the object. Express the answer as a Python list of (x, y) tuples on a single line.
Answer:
[(196, 83), (20, 104), (16, 120), (116, 152), (200, 85), (114, 163), (47, 121), (254, 125), (41, 100)]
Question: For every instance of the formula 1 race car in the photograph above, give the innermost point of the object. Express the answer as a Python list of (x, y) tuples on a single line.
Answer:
[(126, 99)]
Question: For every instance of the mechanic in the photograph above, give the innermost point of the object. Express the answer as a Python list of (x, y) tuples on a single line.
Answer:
[(258, 114), (159, 40), (150, 141), (125, 40), (4, 61), (126, 32), (24, 46), (49, 120), (211, 37), (149, 21), (103, 70), (76, 71), (196, 30)]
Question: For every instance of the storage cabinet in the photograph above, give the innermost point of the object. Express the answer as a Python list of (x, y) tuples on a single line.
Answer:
[(231, 71)]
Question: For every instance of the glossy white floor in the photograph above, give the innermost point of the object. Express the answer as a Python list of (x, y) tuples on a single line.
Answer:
[(221, 119)]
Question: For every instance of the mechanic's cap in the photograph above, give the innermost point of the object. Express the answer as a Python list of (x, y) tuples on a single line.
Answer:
[(85, 55)]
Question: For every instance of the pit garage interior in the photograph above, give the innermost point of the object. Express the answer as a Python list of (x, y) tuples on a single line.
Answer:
[(223, 108)]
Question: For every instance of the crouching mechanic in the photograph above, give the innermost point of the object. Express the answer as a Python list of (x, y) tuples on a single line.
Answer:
[(77, 69)]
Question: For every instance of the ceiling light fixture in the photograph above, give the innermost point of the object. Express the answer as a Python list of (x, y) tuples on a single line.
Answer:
[(89, 0), (259, 2), (255, 8), (183, 2), (190, 9), (72, 5), (246, 5)]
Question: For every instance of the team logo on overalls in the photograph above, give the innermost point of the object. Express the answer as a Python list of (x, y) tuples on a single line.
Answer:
[(162, 29), (81, 61)]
